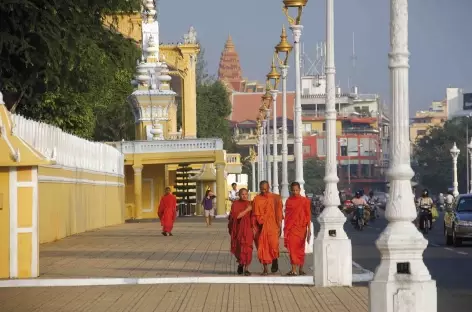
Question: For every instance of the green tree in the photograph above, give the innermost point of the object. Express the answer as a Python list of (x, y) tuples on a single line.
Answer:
[(313, 174), (58, 61), (432, 159)]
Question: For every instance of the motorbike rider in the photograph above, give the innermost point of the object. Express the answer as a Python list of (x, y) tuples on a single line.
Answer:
[(449, 199), (372, 201), (441, 201), (358, 200), (426, 202)]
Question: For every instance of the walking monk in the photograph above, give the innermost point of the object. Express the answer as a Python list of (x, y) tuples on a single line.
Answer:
[(241, 231), (297, 228), (167, 212), (267, 222)]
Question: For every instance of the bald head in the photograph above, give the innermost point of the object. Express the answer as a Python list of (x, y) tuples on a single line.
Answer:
[(264, 187)]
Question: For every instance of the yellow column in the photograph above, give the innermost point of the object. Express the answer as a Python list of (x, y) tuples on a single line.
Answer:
[(220, 190), (189, 112), (138, 189)]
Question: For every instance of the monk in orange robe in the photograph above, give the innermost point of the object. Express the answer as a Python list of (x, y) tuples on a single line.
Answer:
[(167, 212), (240, 229), (297, 228), (267, 224)]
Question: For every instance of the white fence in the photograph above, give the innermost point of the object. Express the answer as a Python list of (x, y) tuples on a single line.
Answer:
[(68, 150)]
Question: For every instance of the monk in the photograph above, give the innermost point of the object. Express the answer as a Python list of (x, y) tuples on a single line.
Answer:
[(267, 226), (297, 228), (241, 231), (167, 212)]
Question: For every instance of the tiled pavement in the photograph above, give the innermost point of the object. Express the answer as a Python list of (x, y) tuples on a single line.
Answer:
[(139, 250)]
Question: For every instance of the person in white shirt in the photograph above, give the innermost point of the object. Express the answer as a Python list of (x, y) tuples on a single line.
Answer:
[(449, 199), (233, 194)]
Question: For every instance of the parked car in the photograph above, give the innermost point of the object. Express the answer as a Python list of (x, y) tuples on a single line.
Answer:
[(458, 220)]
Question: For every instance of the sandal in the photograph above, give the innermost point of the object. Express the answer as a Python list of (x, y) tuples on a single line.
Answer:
[(164, 233), (247, 273), (291, 274), (240, 269), (265, 273), (301, 273)]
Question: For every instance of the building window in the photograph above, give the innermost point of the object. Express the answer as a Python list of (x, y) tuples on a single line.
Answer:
[(306, 149), (421, 132), (321, 147), (343, 150), (307, 128), (306, 91), (324, 126)]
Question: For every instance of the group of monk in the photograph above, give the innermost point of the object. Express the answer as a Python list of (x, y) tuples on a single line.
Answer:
[(259, 223)]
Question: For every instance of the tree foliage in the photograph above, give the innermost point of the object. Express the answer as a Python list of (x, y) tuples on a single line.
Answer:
[(313, 174), (432, 160), (213, 106), (61, 66)]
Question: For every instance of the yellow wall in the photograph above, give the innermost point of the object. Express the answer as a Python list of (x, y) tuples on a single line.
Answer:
[(317, 125), (153, 188), (4, 223), (73, 201)]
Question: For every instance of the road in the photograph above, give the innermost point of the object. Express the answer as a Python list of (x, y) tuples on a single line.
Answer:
[(451, 267)]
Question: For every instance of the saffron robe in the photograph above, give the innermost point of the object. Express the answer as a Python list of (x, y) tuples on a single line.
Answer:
[(167, 212), (279, 216), (241, 232), (297, 220), (267, 225)]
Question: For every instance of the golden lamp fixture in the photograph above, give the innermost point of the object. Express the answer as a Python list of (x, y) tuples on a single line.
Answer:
[(299, 5), (284, 47), (273, 76)]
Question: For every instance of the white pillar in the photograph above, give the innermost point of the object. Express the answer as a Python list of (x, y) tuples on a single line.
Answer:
[(260, 154), (275, 167), (455, 184), (332, 247), (284, 189), (253, 182), (401, 282), (267, 155), (469, 147), (297, 124)]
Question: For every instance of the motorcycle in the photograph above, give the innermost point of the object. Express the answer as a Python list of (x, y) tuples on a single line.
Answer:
[(359, 217), (374, 214), (424, 213)]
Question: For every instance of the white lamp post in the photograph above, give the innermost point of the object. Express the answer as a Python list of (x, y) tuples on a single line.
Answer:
[(252, 158), (273, 77), (297, 28), (266, 99), (332, 241), (469, 147), (455, 153), (402, 281), (282, 51)]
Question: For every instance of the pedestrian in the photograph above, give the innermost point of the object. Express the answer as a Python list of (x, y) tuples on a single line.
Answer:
[(241, 231), (207, 204), (297, 228), (167, 212)]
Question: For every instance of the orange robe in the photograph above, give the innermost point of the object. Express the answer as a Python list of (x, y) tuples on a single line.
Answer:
[(279, 216), (268, 228), (242, 236), (167, 212), (297, 219)]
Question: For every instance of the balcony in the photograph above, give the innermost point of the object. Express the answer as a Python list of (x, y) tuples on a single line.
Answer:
[(168, 146), (353, 130), (321, 114), (233, 159)]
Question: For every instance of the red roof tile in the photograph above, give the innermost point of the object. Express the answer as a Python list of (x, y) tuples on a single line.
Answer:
[(246, 105)]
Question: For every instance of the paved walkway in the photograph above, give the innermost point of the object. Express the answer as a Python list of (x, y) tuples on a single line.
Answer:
[(131, 254)]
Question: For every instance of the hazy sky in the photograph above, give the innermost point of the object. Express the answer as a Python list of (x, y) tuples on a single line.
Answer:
[(440, 44)]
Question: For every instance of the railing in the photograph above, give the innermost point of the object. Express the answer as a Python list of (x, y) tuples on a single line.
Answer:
[(174, 136), (233, 159), (66, 149), (359, 130), (168, 146), (322, 114)]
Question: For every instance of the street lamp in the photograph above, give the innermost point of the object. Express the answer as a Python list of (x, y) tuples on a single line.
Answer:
[(282, 51), (296, 28), (455, 153), (331, 241), (273, 77), (402, 281), (261, 143), (266, 99), (469, 147)]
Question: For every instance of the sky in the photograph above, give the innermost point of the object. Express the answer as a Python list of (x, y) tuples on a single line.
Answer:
[(439, 39)]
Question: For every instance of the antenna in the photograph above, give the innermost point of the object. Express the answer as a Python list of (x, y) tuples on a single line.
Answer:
[(353, 63), (316, 67)]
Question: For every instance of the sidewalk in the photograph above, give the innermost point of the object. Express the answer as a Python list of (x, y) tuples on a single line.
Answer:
[(195, 263)]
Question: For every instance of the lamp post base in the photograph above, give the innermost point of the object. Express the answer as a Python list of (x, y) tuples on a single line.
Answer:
[(332, 250), (309, 245), (392, 296)]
